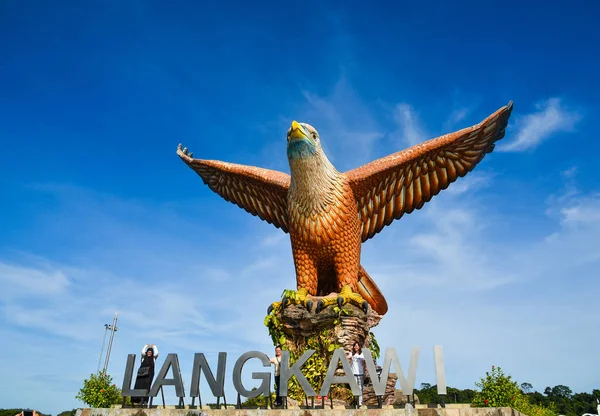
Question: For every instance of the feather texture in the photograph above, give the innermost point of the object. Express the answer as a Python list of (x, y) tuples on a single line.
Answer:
[(261, 192), (424, 170)]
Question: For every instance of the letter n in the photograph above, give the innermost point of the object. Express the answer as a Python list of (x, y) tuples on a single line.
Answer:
[(216, 386)]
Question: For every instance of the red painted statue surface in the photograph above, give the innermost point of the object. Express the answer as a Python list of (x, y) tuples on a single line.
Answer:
[(329, 214)]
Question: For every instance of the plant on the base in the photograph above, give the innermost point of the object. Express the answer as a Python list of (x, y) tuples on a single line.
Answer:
[(99, 391), (324, 343), (259, 401)]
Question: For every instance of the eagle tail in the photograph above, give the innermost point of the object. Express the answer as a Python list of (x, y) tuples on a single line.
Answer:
[(370, 292)]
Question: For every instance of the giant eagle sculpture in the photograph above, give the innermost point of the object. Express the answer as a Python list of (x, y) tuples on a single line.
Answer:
[(329, 214)]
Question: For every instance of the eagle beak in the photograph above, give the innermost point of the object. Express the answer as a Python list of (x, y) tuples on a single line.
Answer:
[(297, 131)]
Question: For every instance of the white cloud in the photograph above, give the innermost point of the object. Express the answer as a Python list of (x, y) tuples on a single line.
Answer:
[(348, 131), (27, 281), (475, 180), (456, 116), (550, 118), (411, 131)]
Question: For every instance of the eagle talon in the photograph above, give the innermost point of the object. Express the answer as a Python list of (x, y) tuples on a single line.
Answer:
[(270, 309), (284, 302), (308, 304), (346, 295), (320, 306)]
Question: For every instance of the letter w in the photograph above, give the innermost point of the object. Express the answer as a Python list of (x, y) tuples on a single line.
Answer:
[(380, 383)]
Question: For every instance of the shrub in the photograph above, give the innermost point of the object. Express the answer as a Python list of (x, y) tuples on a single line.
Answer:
[(99, 391), (523, 405), (499, 390)]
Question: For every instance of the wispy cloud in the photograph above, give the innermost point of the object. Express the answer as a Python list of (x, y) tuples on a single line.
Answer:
[(410, 130), (456, 116), (27, 281), (475, 180), (348, 130), (551, 117)]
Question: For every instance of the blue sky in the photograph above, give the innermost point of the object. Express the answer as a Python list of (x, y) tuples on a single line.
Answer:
[(98, 213)]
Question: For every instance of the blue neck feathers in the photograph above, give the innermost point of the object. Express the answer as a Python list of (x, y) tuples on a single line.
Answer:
[(299, 149)]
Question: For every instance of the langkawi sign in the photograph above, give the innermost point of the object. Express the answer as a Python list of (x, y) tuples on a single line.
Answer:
[(287, 371)]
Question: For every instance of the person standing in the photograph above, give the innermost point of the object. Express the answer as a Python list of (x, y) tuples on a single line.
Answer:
[(357, 361), (145, 373), (276, 361)]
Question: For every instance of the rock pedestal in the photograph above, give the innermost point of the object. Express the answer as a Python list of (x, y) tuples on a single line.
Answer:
[(345, 325), (369, 397), (296, 329)]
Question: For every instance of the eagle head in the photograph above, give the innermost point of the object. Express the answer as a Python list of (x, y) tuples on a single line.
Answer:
[(302, 141)]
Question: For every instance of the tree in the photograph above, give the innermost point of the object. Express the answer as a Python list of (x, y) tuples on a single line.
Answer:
[(497, 390), (538, 398), (13, 412), (526, 387), (428, 394), (562, 391), (99, 392)]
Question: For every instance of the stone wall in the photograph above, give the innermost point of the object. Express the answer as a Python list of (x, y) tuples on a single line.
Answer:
[(386, 411)]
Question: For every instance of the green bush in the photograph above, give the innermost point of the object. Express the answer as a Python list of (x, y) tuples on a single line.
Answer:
[(99, 392), (499, 390), (259, 401), (523, 405)]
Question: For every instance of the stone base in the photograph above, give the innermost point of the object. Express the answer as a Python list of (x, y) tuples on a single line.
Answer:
[(386, 411), (297, 330), (348, 324)]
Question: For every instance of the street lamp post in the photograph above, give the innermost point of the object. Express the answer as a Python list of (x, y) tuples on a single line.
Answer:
[(102, 350), (112, 328)]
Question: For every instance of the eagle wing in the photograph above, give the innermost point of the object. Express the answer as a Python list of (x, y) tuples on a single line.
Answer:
[(390, 187), (261, 192)]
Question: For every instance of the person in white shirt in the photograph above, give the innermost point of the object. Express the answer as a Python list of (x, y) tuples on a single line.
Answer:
[(357, 361), (276, 361)]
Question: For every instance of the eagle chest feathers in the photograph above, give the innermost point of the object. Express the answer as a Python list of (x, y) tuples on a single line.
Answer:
[(322, 210)]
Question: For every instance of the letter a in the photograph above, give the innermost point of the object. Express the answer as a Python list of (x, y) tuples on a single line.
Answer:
[(331, 378), (161, 380)]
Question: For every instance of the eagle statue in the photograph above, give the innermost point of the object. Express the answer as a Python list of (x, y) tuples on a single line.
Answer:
[(329, 214)]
